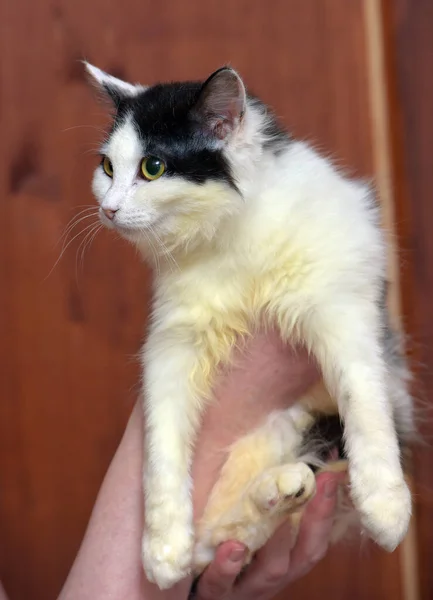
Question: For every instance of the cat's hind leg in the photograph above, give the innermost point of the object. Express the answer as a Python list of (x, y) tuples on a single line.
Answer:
[(260, 482)]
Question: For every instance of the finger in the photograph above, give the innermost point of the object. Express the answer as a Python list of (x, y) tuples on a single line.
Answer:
[(265, 575), (316, 526), (218, 579)]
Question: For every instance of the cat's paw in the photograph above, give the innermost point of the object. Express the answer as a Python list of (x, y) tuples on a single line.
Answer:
[(167, 555), (284, 488), (385, 514), (168, 539)]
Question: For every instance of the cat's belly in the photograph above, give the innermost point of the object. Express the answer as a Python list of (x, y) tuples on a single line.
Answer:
[(265, 376)]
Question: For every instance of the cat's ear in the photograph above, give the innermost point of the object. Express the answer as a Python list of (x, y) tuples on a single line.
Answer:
[(221, 104), (116, 89)]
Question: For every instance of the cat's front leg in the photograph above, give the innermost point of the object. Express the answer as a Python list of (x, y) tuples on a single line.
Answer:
[(172, 411), (347, 342)]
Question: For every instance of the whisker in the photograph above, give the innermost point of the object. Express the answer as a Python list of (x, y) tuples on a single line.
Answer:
[(85, 245), (65, 247), (95, 151), (154, 252), (88, 206), (167, 252), (74, 222), (98, 129), (82, 243), (91, 240)]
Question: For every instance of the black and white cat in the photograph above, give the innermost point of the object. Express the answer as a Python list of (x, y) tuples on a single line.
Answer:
[(250, 229)]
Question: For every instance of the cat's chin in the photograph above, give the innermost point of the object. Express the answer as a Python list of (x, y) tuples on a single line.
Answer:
[(129, 232), (143, 238), (133, 235)]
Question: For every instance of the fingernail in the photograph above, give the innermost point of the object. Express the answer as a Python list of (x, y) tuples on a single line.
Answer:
[(330, 488), (237, 555)]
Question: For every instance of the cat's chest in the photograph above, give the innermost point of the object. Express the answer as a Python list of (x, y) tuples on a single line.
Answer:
[(243, 298)]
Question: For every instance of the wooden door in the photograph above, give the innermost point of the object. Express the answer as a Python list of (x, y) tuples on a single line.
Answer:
[(409, 35), (69, 330)]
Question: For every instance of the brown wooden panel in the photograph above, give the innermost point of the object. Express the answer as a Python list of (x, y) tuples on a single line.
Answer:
[(353, 571), (410, 39), (67, 378)]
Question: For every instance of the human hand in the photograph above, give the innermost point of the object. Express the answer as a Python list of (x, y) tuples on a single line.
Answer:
[(269, 377), (277, 563)]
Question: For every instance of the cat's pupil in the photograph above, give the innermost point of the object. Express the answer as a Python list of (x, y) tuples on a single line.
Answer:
[(153, 165)]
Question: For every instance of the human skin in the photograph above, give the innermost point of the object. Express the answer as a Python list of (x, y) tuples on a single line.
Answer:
[(266, 376), (280, 561)]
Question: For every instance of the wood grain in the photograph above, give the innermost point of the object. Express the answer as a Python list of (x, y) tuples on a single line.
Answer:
[(410, 27), (68, 376)]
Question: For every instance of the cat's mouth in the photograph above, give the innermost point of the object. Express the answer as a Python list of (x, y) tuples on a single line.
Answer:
[(107, 217), (111, 220)]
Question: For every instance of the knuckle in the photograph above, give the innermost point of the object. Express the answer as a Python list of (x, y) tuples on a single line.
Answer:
[(317, 555), (276, 572)]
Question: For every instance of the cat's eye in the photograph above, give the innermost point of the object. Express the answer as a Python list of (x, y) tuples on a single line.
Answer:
[(107, 166), (152, 167)]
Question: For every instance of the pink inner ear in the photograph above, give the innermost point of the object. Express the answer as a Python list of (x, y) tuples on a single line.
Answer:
[(222, 103), (222, 128), (236, 107), (225, 119)]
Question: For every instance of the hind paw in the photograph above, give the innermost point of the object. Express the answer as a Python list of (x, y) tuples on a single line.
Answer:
[(285, 488)]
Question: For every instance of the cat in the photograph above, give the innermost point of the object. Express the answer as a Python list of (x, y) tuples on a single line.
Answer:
[(249, 229)]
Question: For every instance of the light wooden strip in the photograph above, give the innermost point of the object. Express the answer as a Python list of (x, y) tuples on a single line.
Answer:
[(381, 139), (380, 123)]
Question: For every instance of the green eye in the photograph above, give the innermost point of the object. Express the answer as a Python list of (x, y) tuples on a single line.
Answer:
[(152, 167), (107, 166)]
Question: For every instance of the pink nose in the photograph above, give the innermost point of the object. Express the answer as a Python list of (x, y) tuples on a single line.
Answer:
[(109, 213)]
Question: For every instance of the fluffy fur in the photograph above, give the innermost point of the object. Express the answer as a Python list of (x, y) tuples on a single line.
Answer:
[(248, 229)]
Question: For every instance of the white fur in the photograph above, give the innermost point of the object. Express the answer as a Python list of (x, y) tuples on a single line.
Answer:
[(102, 78), (301, 250)]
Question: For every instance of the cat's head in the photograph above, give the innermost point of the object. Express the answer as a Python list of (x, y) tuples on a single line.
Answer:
[(179, 159)]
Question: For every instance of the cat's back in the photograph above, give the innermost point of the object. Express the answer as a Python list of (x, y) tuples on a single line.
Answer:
[(309, 217)]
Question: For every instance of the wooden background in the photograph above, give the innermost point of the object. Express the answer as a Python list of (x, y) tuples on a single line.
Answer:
[(410, 38), (68, 377)]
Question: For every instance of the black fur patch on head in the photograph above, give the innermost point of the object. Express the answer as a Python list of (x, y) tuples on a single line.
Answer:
[(162, 116)]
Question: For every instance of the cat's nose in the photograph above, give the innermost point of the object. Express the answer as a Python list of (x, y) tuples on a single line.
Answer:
[(109, 213)]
